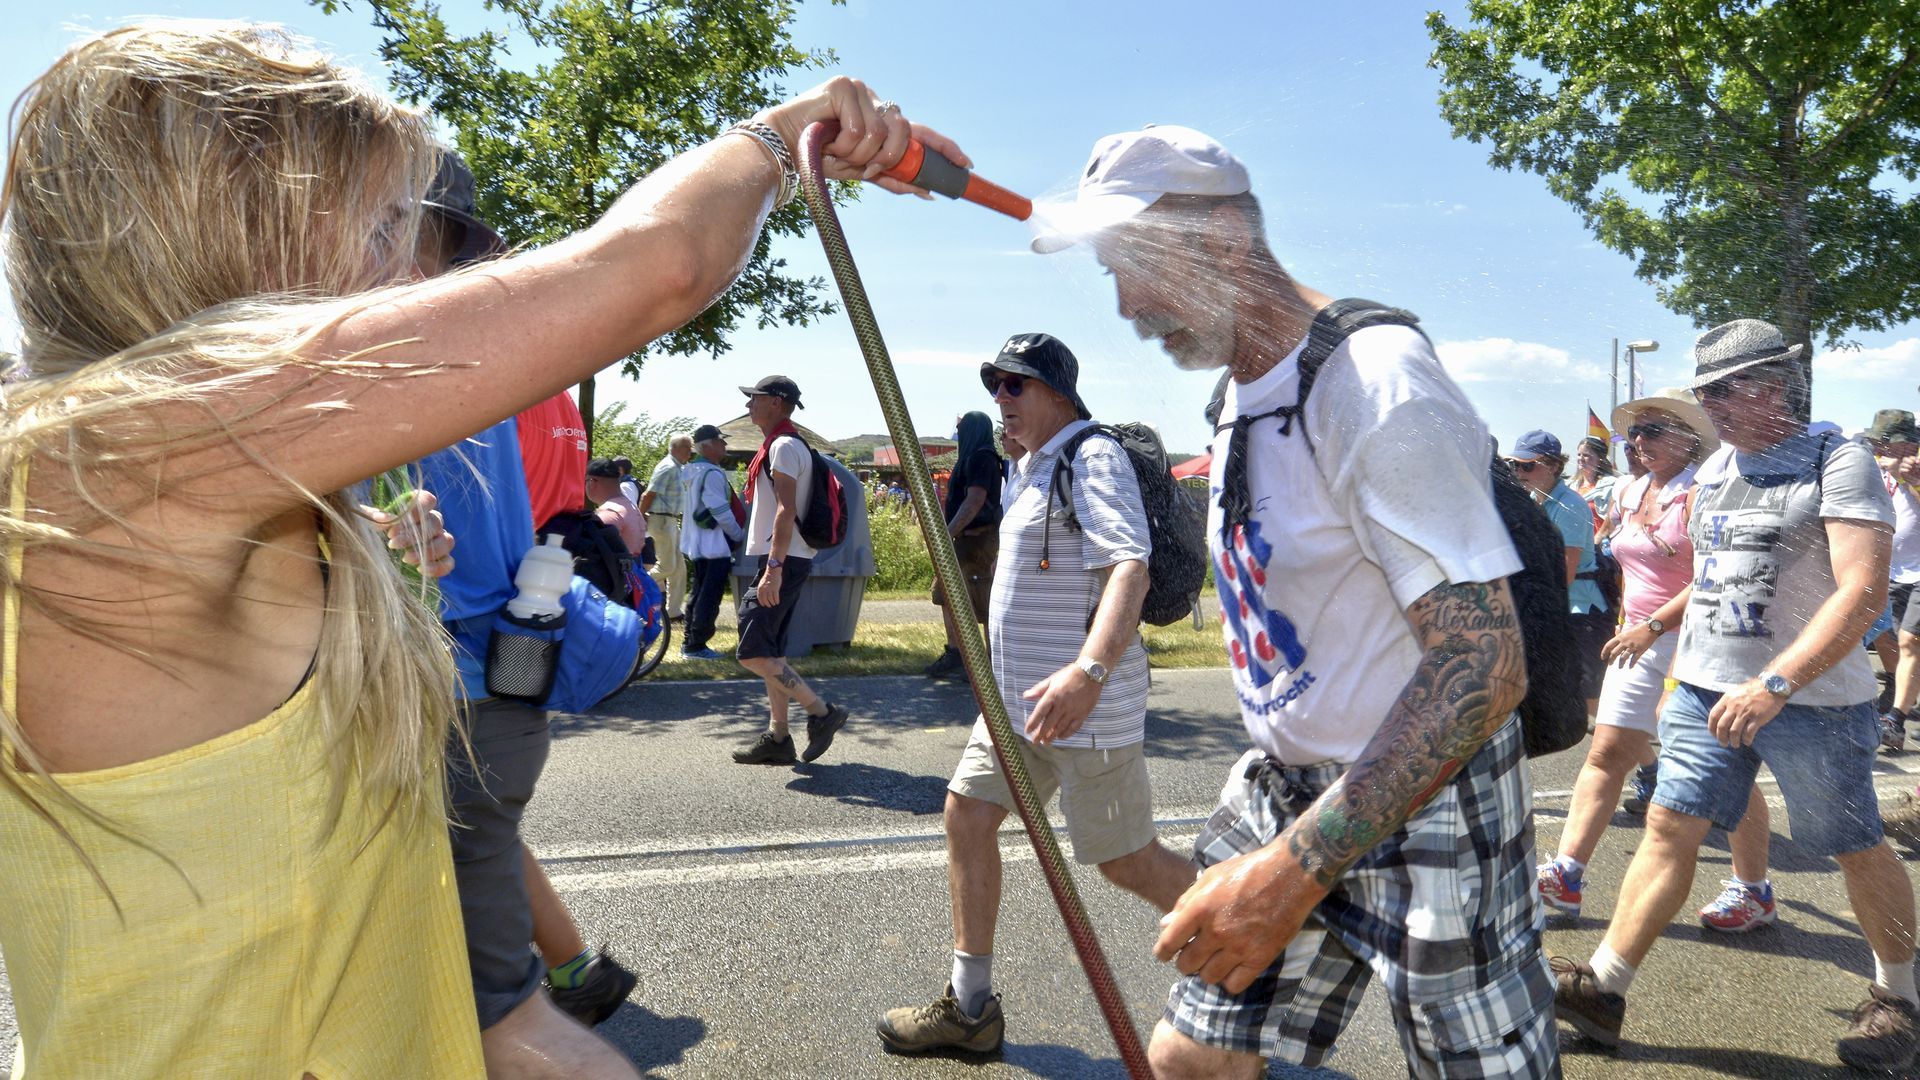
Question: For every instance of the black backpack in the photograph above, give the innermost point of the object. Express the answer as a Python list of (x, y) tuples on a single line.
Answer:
[(1177, 566), (599, 554), (1553, 715), (823, 524)]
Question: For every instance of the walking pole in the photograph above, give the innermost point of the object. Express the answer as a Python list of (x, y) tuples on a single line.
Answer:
[(929, 169)]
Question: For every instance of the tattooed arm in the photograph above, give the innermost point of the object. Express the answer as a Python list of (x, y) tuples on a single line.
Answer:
[(1241, 913)]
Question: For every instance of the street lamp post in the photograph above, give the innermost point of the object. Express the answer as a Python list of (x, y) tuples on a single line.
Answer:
[(1634, 348)]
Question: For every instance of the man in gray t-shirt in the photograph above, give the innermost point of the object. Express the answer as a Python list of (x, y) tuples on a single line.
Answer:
[(1792, 534)]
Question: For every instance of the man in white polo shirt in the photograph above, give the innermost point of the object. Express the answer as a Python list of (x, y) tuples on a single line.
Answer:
[(1064, 624), (1382, 825)]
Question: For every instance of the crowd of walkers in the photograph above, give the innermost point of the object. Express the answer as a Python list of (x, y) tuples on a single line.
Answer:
[(228, 330)]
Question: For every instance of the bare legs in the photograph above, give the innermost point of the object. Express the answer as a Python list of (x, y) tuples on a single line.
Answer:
[(783, 685)]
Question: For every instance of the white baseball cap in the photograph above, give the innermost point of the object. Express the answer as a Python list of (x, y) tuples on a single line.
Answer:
[(1128, 172)]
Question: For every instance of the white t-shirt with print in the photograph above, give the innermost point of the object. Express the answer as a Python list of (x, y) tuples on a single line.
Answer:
[(1393, 499), (788, 457)]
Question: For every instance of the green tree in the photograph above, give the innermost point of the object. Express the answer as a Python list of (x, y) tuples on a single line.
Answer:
[(614, 89), (1768, 143), (642, 439)]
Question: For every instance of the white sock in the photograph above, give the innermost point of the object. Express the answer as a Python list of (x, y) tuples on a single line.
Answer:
[(1571, 866), (1896, 979), (973, 981), (1611, 973), (1760, 886)]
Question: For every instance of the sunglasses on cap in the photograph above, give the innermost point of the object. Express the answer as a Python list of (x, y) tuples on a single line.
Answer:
[(1522, 466), (1014, 385)]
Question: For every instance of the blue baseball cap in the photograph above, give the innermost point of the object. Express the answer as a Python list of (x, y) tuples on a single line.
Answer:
[(1535, 445)]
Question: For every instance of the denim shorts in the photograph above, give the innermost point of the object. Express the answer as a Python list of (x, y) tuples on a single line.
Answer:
[(1822, 757)]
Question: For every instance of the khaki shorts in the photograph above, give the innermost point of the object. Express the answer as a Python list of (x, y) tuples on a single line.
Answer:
[(1104, 794)]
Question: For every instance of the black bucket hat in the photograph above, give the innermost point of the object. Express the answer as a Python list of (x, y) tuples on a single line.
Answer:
[(1043, 357), (451, 196)]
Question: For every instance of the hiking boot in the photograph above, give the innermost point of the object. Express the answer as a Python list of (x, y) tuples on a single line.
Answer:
[(1579, 1001), (821, 730), (1739, 908), (943, 1026), (599, 995), (1900, 820), (1644, 779), (1893, 734), (1884, 1035), (949, 665), (1559, 890), (766, 750)]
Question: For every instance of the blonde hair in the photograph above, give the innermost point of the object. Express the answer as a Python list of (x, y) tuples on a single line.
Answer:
[(186, 206)]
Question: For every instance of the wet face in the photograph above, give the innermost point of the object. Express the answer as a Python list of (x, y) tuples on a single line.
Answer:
[(1170, 287), (1748, 408), (1665, 445)]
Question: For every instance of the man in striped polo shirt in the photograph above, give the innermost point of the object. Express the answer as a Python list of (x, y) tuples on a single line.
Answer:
[(1064, 625)]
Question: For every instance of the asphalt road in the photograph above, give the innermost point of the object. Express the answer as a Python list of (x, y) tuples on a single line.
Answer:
[(773, 913)]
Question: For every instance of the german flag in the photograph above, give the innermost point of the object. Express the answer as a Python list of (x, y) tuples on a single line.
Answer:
[(1595, 428)]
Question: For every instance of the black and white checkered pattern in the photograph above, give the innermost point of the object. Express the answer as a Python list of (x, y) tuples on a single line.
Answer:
[(1444, 912)]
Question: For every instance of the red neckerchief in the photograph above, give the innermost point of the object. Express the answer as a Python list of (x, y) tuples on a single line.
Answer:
[(759, 462)]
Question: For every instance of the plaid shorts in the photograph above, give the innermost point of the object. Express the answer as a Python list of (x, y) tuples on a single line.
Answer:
[(1444, 911)]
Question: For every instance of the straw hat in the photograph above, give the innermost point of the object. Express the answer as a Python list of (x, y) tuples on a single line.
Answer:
[(1739, 345), (1678, 401)]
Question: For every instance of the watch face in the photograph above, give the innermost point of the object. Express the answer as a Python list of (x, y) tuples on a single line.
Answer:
[(1776, 684), (1656, 626)]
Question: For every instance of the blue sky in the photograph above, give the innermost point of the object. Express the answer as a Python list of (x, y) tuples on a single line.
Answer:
[(1332, 108)]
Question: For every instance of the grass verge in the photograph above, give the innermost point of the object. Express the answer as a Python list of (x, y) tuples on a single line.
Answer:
[(906, 648)]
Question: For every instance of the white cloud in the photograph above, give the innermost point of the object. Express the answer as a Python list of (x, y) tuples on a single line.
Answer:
[(1489, 360), (1900, 360)]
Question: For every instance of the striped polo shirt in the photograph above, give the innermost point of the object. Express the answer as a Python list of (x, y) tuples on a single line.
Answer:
[(1037, 619)]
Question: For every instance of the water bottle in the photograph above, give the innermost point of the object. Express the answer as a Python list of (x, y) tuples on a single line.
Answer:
[(524, 652)]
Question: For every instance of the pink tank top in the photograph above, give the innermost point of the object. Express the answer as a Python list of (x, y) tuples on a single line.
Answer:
[(1657, 558)]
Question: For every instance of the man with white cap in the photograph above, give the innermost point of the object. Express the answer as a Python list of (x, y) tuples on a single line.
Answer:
[(1791, 542), (1382, 824)]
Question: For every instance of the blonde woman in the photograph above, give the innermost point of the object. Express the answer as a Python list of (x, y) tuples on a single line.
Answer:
[(221, 805)]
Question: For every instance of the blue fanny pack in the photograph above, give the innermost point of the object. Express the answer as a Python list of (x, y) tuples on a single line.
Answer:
[(576, 661)]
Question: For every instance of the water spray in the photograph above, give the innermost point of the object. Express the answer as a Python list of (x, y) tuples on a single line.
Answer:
[(929, 169)]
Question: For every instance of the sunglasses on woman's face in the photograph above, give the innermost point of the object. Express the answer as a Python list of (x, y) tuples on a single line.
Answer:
[(1014, 385), (1522, 467), (1649, 430)]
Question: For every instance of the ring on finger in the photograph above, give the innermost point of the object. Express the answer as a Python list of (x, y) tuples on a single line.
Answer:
[(887, 107)]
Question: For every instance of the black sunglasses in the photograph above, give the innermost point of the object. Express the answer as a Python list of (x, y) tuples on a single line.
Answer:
[(1649, 430), (1015, 385), (1522, 466)]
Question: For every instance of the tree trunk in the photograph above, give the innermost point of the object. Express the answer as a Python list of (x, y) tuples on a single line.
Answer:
[(586, 409), (1794, 313)]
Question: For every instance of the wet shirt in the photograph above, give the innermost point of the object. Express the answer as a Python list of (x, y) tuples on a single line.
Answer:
[(1762, 565), (1393, 500), (1037, 620)]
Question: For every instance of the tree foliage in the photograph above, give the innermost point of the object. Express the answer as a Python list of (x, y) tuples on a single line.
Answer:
[(642, 439), (1771, 148), (564, 104)]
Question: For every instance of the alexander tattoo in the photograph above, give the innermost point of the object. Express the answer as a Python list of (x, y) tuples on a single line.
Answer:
[(1473, 672)]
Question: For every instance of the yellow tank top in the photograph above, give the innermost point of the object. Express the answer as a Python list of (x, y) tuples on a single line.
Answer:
[(277, 948)]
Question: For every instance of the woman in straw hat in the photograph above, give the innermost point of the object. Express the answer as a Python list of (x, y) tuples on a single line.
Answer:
[(221, 803), (1671, 435)]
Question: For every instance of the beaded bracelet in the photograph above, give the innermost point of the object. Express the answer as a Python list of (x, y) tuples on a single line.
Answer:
[(766, 136)]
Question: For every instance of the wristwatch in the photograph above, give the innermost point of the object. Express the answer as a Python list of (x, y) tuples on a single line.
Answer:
[(1657, 627), (1095, 670), (1776, 684), (773, 563)]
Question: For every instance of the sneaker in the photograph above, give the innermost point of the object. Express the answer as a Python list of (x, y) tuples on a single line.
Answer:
[(1900, 820), (1884, 1035), (1893, 734), (1739, 908), (766, 750), (821, 730), (599, 995), (947, 666), (942, 1026), (1558, 889), (1644, 779), (1579, 1001), (701, 653)]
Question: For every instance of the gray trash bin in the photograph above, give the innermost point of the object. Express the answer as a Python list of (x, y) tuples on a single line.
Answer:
[(830, 598)]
